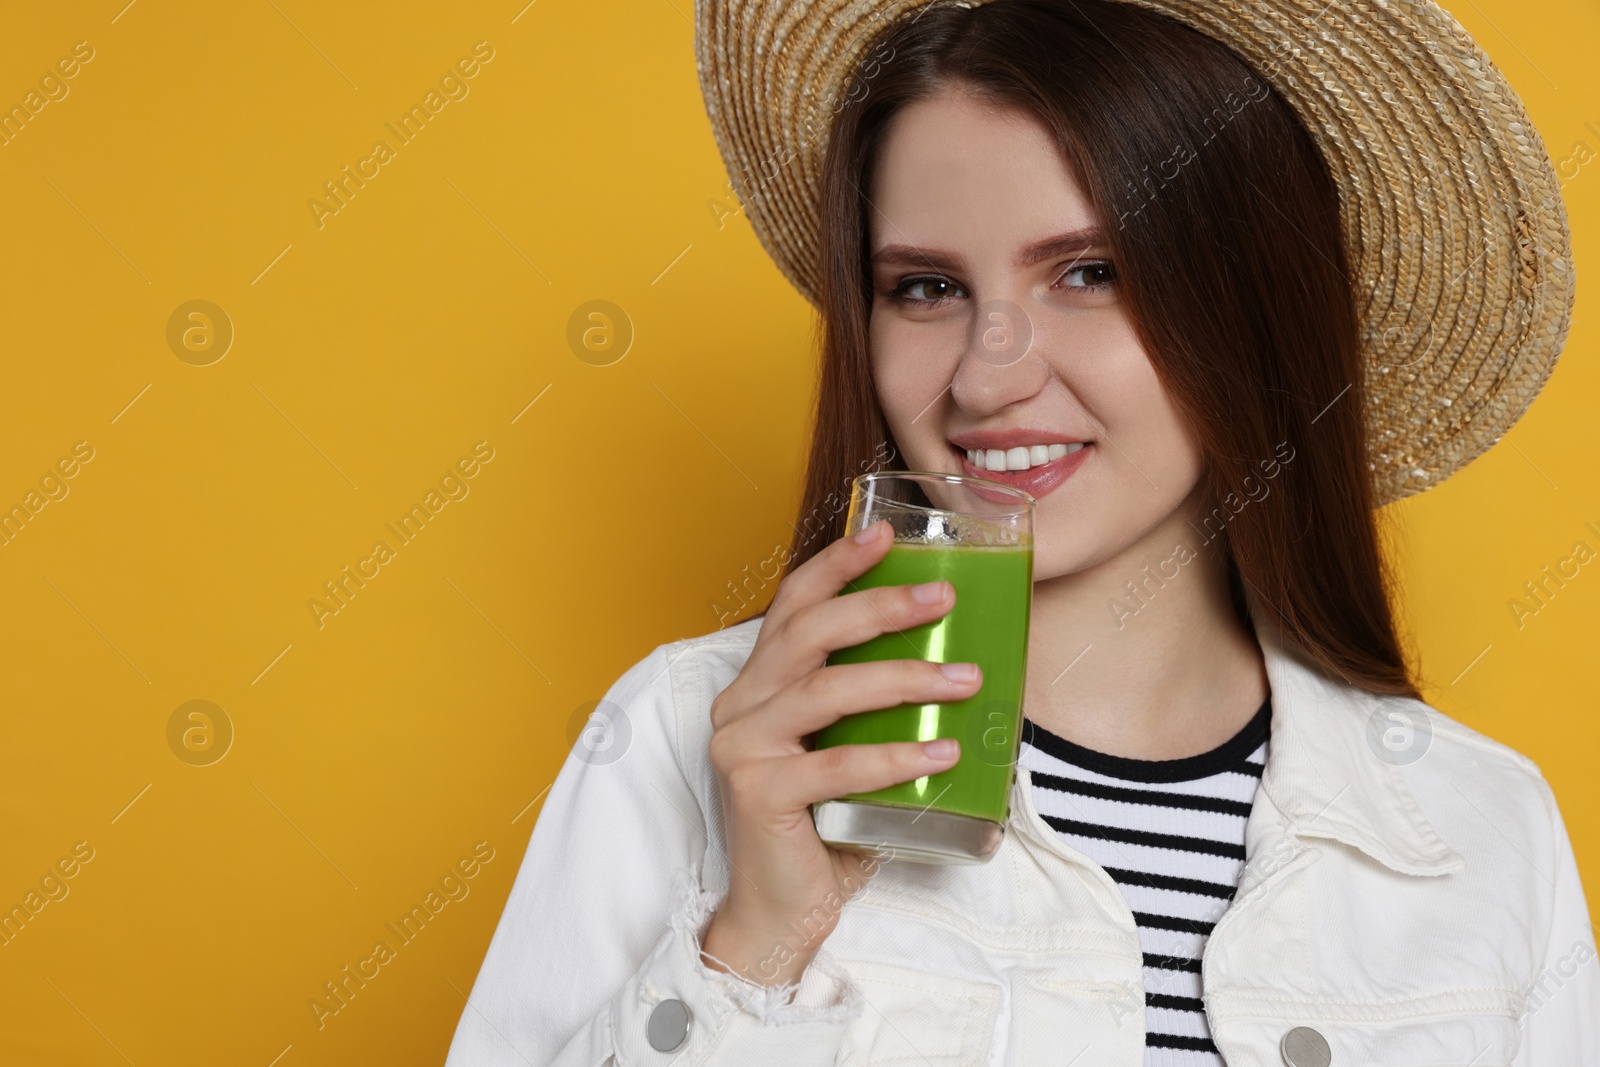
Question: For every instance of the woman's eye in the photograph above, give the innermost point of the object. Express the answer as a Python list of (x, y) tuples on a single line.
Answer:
[(924, 290), (1096, 275)]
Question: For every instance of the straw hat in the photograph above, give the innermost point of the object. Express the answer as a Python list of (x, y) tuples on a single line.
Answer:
[(1451, 209)]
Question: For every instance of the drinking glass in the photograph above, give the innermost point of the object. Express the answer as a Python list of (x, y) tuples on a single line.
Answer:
[(977, 535)]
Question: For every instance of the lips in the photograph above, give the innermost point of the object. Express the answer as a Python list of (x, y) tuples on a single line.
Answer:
[(1036, 481)]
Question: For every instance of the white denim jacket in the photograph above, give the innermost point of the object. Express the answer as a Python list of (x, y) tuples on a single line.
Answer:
[(1414, 914)]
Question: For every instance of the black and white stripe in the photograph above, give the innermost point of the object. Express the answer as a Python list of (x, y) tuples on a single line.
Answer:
[(1170, 833)]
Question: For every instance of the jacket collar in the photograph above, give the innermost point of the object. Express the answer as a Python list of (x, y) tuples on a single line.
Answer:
[(1325, 776)]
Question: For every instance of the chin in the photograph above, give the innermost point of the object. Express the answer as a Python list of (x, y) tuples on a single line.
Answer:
[(1057, 556)]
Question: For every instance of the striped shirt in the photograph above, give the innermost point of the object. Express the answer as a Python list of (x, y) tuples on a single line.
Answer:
[(1170, 833)]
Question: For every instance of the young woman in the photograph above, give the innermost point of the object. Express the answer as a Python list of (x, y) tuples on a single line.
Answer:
[(1211, 284)]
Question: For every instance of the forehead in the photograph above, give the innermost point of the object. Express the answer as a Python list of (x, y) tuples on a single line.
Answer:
[(957, 169)]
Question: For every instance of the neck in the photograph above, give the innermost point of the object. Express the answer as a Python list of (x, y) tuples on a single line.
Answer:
[(1143, 655)]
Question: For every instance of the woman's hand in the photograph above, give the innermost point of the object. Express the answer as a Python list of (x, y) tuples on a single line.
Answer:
[(782, 876)]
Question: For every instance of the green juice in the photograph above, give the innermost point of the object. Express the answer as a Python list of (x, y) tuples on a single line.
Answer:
[(988, 626)]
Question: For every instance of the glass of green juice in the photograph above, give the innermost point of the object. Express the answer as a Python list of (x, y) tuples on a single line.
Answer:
[(977, 535)]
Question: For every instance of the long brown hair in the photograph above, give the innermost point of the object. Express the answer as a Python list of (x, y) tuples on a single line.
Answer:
[(1224, 224)]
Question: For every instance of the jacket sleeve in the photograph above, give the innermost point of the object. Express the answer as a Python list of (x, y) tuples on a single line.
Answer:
[(1561, 1020), (605, 919)]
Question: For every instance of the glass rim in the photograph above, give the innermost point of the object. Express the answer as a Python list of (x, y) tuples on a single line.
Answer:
[(1025, 498)]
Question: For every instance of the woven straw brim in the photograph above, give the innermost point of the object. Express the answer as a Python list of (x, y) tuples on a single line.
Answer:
[(1452, 212)]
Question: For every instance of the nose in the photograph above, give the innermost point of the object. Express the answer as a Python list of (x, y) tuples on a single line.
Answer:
[(998, 366)]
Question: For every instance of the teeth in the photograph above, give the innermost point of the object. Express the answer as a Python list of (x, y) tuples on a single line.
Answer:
[(1019, 459)]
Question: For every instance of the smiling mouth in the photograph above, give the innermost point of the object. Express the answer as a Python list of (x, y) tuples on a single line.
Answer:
[(1037, 469), (1021, 458)]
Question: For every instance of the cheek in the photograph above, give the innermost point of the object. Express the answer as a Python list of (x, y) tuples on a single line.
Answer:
[(1147, 466), (912, 364), (1121, 390), (1166, 449)]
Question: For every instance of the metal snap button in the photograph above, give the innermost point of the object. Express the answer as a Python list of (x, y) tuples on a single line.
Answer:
[(668, 1025), (1304, 1047)]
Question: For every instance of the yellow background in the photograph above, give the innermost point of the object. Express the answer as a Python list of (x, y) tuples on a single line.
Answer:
[(369, 354)]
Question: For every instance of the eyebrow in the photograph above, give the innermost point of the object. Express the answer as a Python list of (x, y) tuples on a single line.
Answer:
[(1071, 243)]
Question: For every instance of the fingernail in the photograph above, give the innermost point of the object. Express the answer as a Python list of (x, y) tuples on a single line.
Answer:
[(868, 534), (928, 592), (942, 750), (959, 672)]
